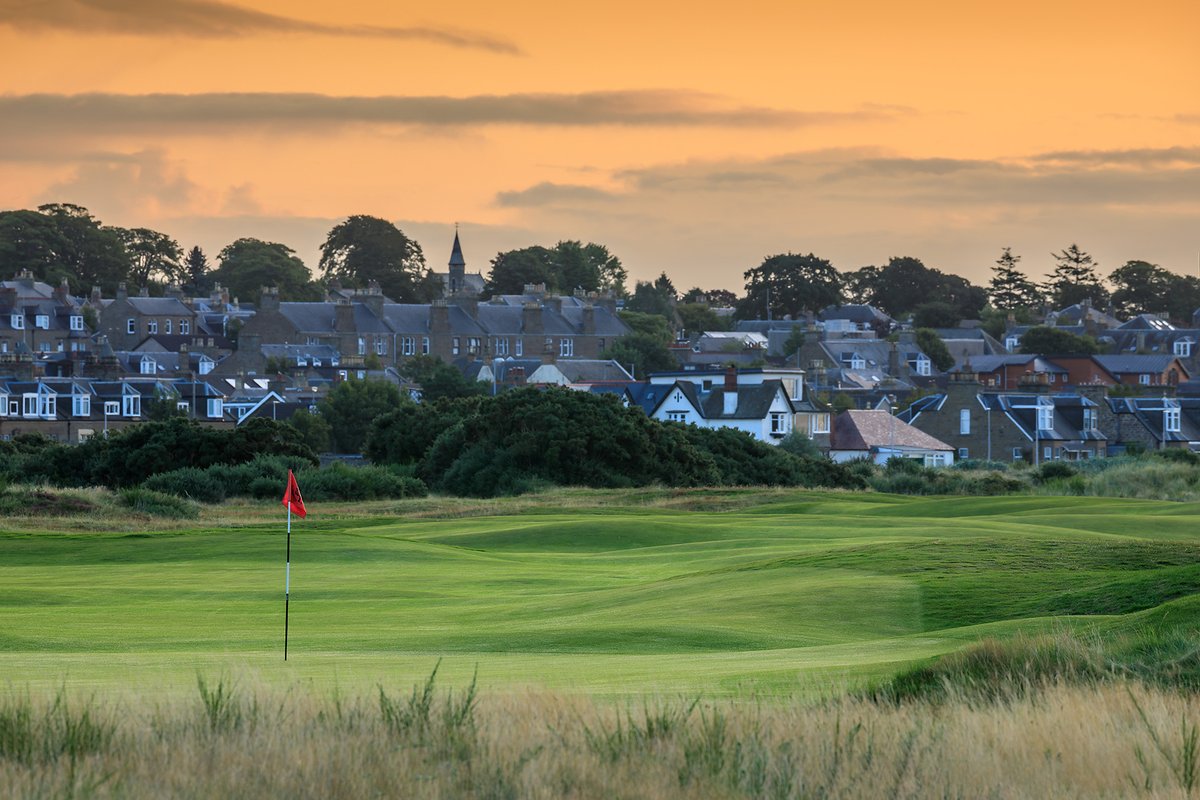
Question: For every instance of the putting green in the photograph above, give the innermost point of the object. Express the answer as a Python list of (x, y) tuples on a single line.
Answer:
[(797, 594)]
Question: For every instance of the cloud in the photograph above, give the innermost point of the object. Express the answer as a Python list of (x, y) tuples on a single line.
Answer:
[(1142, 157), (211, 19), (128, 184), (187, 113), (546, 193)]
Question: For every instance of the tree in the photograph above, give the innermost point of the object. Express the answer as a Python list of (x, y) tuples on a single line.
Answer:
[(698, 317), (906, 283), (1183, 298), (90, 254), (154, 258), (366, 249), (439, 380), (936, 314), (31, 241), (1075, 279), (567, 266), (932, 345), (794, 342), (654, 298), (352, 406), (1010, 288), (860, 285), (1141, 287), (790, 284), (313, 430), (196, 275), (1044, 340), (247, 265)]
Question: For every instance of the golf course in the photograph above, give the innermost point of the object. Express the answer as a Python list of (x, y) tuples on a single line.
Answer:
[(611, 594)]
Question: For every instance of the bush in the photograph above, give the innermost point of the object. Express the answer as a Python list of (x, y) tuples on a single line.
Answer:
[(1178, 455), (798, 444), (977, 464), (1054, 471), (28, 501), (158, 504), (341, 482), (196, 484)]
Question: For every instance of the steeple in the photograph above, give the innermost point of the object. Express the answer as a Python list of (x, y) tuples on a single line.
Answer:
[(458, 266)]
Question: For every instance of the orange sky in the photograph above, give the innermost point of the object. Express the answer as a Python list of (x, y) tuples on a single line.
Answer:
[(690, 141)]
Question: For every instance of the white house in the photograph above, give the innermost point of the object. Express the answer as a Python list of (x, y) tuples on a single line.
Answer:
[(763, 410)]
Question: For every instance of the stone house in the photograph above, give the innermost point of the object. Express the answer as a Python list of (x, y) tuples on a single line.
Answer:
[(128, 321)]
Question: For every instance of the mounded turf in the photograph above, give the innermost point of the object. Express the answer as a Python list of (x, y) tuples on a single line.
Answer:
[(802, 592)]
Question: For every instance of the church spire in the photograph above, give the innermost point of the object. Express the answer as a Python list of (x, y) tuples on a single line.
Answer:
[(456, 256), (458, 266)]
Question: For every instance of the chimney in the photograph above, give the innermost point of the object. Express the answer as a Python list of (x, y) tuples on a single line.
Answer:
[(439, 318), (122, 292), (343, 320), (144, 292), (589, 320), (531, 318), (62, 292), (269, 299), (374, 299), (554, 303), (731, 379), (25, 279), (96, 295), (250, 344), (1141, 341), (468, 303), (175, 292)]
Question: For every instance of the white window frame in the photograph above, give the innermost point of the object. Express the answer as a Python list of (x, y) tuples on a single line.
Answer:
[(29, 405), (152, 327), (167, 327), (858, 362), (1012, 343), (4, 404), (362, 346), (964, 422), (424, 345), (519, 349), (206, 366), (677, 416), (185, 327), (455, 345), (408, 345), (473, 345), (924, 365), (1091, 419), (215, 407), (1045, 414), (779, 422), (42, 321), (820, 423), (81, 405), (76, 322), (1144, 379), (501, 346), (112, 408), (131, 405), (964, 453), (131, 325), (14, 407), (380, 347), (566, 348), (1172, 419), (1183, 348), (17, 321), (147, 366)]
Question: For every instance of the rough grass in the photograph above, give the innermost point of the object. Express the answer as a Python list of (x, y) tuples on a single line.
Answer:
[(238, 740)]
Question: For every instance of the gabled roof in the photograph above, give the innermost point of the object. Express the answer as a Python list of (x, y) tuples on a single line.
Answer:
[(1146, 322), (160, 306), (854, 312), (870, 430), (1021, 409), (1125, 364)]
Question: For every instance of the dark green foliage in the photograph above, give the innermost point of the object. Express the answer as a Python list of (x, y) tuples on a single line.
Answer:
[(567, 266), (798, 444), (792, 283), (1075, 279), (195, 484), (405, 435), (1178, 455), (62, 730), (1009, 288), (1055, 471), (932, 345), (366, 249), (352, 406), (906, 283), (908, 476), (26, 501), (645, 349), (698, 317), (156, 504), (742, 460), (1044, 340), (656, 298), (313, 429), (341, 482), (936, 314), (247, 265), (441, 381)]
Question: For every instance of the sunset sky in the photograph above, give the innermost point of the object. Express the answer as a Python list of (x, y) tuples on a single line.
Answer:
[(688, 138)]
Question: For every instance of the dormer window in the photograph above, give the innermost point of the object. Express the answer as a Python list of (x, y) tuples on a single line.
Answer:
[(1011, 343), (148, 366), (1183, 348), (1045, 416), (42, 321), (858, 362), (17, 321), (1090, 419), (1171, 419), (76, 323), (206, 366), (923, 365)]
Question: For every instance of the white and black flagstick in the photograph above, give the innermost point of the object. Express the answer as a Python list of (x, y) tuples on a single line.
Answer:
[(287, 581)]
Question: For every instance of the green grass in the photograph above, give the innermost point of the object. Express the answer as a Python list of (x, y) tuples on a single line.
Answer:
[(617, 593)]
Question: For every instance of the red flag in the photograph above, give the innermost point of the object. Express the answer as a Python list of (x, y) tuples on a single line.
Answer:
[(292, 498)]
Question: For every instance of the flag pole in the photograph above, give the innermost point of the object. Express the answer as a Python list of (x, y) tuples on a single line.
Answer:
[(287, 581)]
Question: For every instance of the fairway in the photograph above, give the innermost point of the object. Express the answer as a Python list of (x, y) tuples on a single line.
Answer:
[(782, 594)]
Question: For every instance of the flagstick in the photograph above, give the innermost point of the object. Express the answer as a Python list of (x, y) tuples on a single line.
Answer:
[(287, 581)]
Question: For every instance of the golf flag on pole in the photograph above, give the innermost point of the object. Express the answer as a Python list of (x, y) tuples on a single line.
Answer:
[(293, 502)]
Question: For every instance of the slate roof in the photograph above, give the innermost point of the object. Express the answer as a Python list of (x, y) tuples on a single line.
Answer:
[(1146, 322), (1137, 364), (160, 306), (994, 363), (1149, 412), (1021, 409), (868, 430), (588, 370), (854, 312)]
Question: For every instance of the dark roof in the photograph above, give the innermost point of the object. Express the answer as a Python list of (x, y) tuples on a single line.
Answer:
[(1124, 364), (854, 312), (1067, 419), (456, 254), (1146, 322), (993, 363)]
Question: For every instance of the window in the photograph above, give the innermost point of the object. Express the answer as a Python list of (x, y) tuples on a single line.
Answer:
[(501, 346), (964, 453), (566, 348), (362, 346), (408, 346), (206, 366), (779, 422), (424, 345), (81, 405), (17, 321), (184, 406), (1183, 348), (167, 327), (131, 326), (42, 321), (47, 406), (152, 327), (923, 365), (473, 345), (1012, 343), (1171, 419), (4, 405), (361, 375), (964, 421), (600, 345), (29, 405), (677, 416), (858, 362), (1045, 417), (1017, 454), (1047, 454), (148, 367), (520, 348), (455, 346), (316, 361), (185, 327), (1089, 419), (216, 407), (112, 408), (380, 347), (1144, 379), (820, 423), (131, 405)]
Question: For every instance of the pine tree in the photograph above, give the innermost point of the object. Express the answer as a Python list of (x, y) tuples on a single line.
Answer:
[(1075, 279), (1010, 288), (196, 270)]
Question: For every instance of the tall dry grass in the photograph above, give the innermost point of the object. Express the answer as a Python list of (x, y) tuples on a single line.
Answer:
[(231, 740)]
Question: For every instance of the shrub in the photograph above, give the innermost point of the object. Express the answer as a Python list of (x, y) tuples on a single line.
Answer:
[(157, 504), (1178, 455), (1054, 471), (977, 464), (29, 501), (341, 482), (196, 484)]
